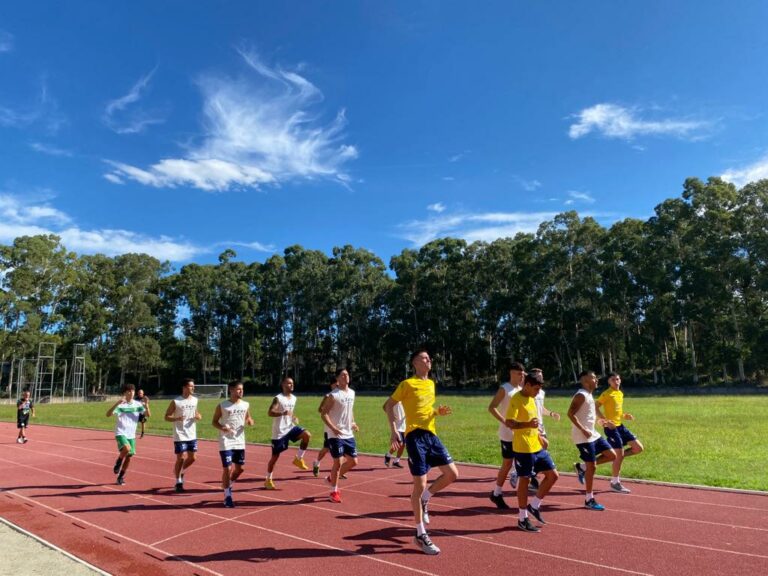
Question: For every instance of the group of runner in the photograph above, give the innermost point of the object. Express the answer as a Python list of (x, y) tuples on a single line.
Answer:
[(518, 405)]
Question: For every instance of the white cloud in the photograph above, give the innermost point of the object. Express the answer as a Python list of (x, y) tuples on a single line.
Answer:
[(459, 156), (614, 121), (43, 111), (257, 246), (123, 118), (48, 149), (6, 41), (448, 178), (20, 217), (576, 196), (257, 130), (437, 207), (486, 227), (528, 185), (740, 176)]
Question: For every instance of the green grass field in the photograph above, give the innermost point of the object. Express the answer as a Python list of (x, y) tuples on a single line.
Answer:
[(711, 440)]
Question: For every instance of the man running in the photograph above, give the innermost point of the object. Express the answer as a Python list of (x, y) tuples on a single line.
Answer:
[(182, 411), (337, 413), (543, 411), (324, 450), (498, 409), (230, 419), (144, 399), (24, 409), (592, 447), (128, 412), (531, 457), (617, 434), (425, 450), (285, 429)]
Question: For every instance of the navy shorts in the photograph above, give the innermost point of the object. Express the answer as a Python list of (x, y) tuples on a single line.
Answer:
[(425, 451), (22, 422), (339, 447), (588, 451), (185, 446), (619, 437), (232, 457), (281, 444), (529, 464), (506, 450)]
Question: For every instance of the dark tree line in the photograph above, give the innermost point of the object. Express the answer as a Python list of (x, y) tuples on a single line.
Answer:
[(676, 298)]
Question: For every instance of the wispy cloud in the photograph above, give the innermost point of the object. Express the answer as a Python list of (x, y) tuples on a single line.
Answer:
[(50, 150), (437, 207), (123, 117), (740, 176), (459, 156), (44, 111), (574, 196), (257, 129), (528, 185), (256, 246), (23, 217), (6, 41), (486, 226), (614, 121)]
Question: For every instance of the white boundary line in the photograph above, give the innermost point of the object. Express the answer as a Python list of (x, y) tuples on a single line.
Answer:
[(52, 546)]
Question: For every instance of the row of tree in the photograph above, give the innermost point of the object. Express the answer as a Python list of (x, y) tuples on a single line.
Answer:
[(680, 296)]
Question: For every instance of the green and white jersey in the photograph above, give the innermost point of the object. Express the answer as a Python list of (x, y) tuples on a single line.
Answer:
[(127, 418)]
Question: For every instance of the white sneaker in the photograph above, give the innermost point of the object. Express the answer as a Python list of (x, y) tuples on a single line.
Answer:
[(617, 487), (19, 441), (427, 546)]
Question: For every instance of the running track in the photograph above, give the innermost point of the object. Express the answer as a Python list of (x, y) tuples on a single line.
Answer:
[(60, 486)]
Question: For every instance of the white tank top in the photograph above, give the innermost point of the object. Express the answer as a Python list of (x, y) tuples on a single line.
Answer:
[(587, 417), (399, 413), (233, 415), (283, 424), (505, 434), (341, 413), (185, 430), (539, 400)]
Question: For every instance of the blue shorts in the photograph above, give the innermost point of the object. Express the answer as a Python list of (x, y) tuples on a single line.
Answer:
[(281, 444), (619, 437), (506, 450), (588, 451), (185, 446), (232, 457), (23, 422), (425, 451), (345, 447), (529, 464)]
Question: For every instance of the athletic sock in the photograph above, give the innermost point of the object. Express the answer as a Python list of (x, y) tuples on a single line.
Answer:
[(180, 479), (426, 495), (522, 514), (316, 463), (420, 529), (615, 480), (269, 475), (300, 453), (336, 488), (498, 490), (536, 502), (590, 495), (396, 460), (228, 492)]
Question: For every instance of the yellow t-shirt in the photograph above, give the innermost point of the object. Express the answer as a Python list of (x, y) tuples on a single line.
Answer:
[(612, 402), (418, 399), (523, 409)]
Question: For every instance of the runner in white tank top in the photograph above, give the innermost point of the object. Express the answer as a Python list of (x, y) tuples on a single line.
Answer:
[(337, 413), (230, 419), (498, 409), (285, 429), (182, 411)]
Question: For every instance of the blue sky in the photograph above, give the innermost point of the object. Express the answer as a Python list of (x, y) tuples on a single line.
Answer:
[(183, 128)]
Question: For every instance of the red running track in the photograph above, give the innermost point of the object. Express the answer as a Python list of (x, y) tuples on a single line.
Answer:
[(60, 486)]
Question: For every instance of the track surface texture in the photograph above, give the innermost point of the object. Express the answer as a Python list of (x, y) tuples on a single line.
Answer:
[(60, 486)]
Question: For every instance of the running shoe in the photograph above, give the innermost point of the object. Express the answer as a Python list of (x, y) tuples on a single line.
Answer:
[(579, 472), (336, 497), (315, 469), (533, 485), (526, 526), (179, 487), (343, 476), (120, 480), (24, 440), (536, 513), (617, 487), (396, 464), (19, 440), (424, 511), (426, 545), (269, 484), (513, 480), (499, 501), (300, 464), (593, 505), (387, 460), (228, 502), (116, 467)]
